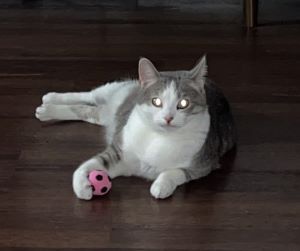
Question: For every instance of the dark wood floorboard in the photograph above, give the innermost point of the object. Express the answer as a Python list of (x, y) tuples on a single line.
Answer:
[(252, 203)]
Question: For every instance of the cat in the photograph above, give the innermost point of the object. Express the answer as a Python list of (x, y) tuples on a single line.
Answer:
[(169, 127)]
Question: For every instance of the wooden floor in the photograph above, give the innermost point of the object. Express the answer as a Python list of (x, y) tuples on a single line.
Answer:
[(253, 203)]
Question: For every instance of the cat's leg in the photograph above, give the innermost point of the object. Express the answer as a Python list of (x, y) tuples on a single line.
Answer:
[(86, 113), (109, 160), (94, 97), (69, 98), (167, 181)]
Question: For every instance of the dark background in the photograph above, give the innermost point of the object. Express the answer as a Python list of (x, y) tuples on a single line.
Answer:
[(201, 11)]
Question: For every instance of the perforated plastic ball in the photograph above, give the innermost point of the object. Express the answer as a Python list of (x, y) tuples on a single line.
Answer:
[(100, 181)]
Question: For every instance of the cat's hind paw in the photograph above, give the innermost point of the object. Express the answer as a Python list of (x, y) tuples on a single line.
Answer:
[(50, 97), (43, 113)]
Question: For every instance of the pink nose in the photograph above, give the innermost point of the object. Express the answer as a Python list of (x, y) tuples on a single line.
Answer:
[(168, 119)]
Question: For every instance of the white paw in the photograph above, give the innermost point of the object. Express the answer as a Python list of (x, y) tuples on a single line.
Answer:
[(50, 97), (81, 185), (162, 188), (43, 113)]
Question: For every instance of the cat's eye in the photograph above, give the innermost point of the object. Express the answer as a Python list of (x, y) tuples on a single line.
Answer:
[(182, 104), (157, 102)]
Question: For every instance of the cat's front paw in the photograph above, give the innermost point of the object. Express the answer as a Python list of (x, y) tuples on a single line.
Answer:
[(81, 185), (162, 187)]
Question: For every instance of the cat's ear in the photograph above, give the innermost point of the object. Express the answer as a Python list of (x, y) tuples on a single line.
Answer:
[(200, 69), (148, 74)]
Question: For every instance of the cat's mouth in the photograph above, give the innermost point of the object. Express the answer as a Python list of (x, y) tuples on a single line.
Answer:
[(168, 126)]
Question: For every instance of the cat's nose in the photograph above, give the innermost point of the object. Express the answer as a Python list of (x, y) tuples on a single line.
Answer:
[(168, 119)]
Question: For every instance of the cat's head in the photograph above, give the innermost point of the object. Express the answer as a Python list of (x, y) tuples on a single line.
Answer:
[(170, 100)]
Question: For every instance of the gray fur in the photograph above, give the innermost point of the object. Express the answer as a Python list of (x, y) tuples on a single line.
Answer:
[(110, 156), (222, 133)]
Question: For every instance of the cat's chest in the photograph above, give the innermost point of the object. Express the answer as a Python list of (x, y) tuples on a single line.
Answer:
[(160, 150)]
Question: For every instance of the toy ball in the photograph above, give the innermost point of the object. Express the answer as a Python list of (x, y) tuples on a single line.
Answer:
[(100, 181)]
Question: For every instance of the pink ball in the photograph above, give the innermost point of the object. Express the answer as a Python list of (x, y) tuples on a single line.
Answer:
[(100, 181)]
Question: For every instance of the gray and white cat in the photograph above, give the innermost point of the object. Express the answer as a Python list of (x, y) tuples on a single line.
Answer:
[(170, 127)]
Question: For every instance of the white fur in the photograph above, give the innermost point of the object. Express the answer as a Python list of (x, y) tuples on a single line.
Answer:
[(81, 184), (161, 155), (163, 150), (98, 106), (86, 113), (166, 183), (68, 98), (169, 99)]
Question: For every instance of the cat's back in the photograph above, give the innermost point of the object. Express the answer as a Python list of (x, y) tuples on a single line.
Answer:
[(222, 133)]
